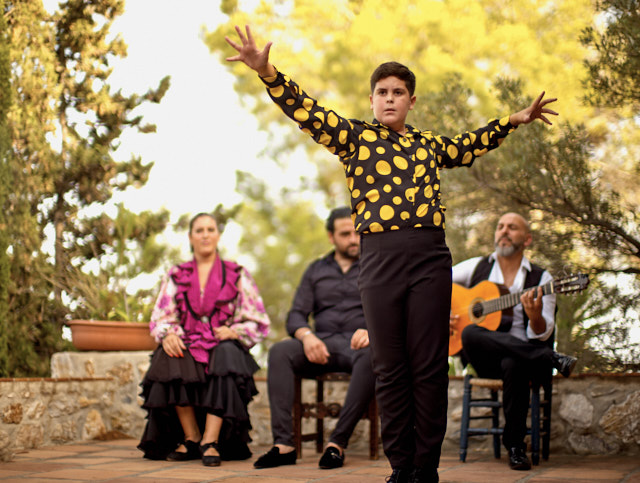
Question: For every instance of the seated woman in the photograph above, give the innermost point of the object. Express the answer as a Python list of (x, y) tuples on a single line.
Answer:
[(200, 381)]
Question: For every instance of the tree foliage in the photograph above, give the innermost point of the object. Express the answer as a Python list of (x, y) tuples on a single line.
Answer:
[(577, 182), (613, 73), (64, 124)]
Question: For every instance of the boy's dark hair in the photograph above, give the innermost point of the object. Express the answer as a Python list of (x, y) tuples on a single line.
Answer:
[(336, 213), (395, 69)]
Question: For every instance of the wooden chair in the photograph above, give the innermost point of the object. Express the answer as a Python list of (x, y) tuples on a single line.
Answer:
[(321, 410), (540, 415)]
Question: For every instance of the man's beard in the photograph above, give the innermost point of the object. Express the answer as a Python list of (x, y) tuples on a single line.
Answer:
[(507, 251), (350, 254)]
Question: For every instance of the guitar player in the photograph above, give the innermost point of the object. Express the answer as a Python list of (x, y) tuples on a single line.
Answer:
[(519, 349)]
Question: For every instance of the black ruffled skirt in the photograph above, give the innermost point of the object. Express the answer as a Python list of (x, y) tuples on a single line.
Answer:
[(224, 390)]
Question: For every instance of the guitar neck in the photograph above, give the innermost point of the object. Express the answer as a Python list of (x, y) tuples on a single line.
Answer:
[(512, 299)]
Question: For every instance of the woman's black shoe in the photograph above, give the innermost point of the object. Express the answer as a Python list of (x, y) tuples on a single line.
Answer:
[(210, 460), (192, 453)]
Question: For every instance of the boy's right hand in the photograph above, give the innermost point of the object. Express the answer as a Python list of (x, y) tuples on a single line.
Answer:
[(249, 53)]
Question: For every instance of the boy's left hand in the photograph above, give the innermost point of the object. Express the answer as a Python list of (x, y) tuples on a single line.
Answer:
[(536, 110)]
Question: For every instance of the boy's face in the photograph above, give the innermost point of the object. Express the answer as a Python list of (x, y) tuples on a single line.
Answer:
[(391, 102)]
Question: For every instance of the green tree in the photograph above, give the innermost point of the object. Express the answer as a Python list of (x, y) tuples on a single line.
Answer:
[(64, 125), (613, 74)]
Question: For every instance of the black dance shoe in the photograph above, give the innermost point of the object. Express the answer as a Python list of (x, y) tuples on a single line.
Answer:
[(210, 460), (331, 459), (518, 459), (400, 475), (425, 475), (564, 364), (273, 458), (192, 453)]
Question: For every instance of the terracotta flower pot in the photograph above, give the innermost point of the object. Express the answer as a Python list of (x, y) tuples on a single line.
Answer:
[(101, 335)]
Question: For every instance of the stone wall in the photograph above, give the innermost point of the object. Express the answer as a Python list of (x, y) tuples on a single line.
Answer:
[(95, 395)]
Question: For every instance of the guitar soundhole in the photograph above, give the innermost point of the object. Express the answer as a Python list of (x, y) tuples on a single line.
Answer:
[(477, 310)]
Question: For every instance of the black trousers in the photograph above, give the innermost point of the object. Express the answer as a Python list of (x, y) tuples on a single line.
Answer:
[(498, 355), (287, 358), (405, 284)]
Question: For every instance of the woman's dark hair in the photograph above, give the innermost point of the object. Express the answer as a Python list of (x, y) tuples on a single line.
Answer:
[(219, 224), (342, 212), (395, 69)]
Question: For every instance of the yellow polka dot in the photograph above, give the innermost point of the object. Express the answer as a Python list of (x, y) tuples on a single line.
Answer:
[(367, 215), (370, 179), (405, 215), (317, 124), (437, 218), (332, 119), (466, 142), (342, 137), (375, 227), (276, 91), (383, 168), (387, 188), (307, 103), (359, 171), (472, 137), (480, 152), (319, 115), (384, 134), (422, 210), (421, 154), (386, 212), (420, 170), (369, 135), (380, 150), (324, 139), (395, 227), (418, 225), (427, 178), (396, 147), (452, 151), (358, 226), (290, 102), (409, 193), (360, 207), (397, 200), (355, 193), (397, 180), (466, 159), (428, 192), (484, 138), (364, 153), (405, 142), (373, 195), (350, 183), (400, 162), (300, 115)]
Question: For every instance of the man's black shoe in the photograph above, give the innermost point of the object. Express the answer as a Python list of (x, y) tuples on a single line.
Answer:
[(518, 459), (564, 364), (400, 475), (331, 459), (273, 458), (425, 475)]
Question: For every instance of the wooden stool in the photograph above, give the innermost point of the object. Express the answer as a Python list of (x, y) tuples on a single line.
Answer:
[(321, 409)]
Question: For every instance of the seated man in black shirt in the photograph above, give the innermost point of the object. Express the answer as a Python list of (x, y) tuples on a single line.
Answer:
[(340, 343)]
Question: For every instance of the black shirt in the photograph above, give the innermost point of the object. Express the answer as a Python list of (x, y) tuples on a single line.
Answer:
[(330, 296)]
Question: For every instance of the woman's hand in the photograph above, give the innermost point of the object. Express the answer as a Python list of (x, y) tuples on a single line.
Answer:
[(173, 345), (249, 53), (225, 333), (535, 111)]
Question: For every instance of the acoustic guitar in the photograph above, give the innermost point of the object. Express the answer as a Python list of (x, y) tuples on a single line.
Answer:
[(484, 303)]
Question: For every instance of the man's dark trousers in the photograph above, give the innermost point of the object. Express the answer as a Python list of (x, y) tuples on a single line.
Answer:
[(286, 358), (499, 355), (405, 284)]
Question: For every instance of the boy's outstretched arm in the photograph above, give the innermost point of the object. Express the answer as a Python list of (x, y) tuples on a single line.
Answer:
[(535, 111), (249, 53)]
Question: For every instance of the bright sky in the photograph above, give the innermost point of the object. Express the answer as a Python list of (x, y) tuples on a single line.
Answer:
[(203, 133)]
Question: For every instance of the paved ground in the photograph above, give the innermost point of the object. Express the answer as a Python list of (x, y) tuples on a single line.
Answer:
[(119, 461)]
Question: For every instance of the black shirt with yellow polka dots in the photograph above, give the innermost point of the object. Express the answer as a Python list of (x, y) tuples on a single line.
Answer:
[(394, 180)]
